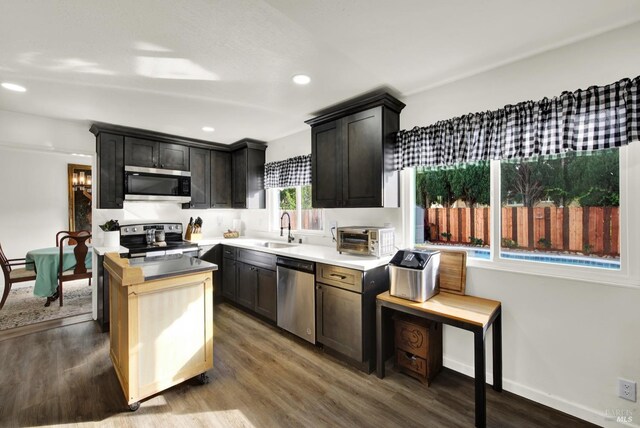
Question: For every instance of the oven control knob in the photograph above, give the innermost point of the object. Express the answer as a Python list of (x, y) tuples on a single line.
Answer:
[(170, 227), (135, 229), (126, 229)]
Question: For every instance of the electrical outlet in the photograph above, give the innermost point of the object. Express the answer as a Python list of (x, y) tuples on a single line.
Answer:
[(627, 389)]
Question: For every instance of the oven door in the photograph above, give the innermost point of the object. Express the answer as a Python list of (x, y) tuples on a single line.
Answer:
[(354, 242), (153, 184)]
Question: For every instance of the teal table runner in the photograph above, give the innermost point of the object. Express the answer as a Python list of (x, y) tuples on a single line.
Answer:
[(47, 262)]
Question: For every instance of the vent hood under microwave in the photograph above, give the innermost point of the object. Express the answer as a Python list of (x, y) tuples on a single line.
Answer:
[(156, 184)]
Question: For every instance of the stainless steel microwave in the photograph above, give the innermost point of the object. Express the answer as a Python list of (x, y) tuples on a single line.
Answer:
[(366, 240), (155, 184)]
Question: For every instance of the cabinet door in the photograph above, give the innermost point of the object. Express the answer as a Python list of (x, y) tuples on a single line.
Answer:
[(339, 320), (266, 295), (200, 167), (362, 167), (110, 164), (326, 165), (220, 179), (239, 181), (140, 152), (229, 285), (247, 284), (174, 156), (255, 179)]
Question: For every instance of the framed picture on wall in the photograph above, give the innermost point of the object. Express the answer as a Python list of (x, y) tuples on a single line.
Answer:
[(80, 198)]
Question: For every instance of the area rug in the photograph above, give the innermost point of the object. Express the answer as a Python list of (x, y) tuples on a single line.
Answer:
[(23, 308)]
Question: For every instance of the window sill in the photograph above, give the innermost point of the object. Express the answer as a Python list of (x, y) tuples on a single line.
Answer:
[(581, 274)]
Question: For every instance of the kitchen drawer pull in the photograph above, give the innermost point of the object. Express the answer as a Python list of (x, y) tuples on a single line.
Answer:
[(338, 276), (409, 356)]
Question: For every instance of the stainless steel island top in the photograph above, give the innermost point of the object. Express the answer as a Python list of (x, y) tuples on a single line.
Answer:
[(171, 265)]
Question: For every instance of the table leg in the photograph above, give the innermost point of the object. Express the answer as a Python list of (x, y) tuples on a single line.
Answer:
[(480, 379), (380, 338), (497, 353)]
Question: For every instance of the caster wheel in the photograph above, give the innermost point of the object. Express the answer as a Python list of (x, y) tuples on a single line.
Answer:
[(134, 406), (203, 379)]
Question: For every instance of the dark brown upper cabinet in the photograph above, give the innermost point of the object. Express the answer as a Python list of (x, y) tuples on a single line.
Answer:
[(222, 176), (220, 179), (247, 168), (110, 165), (154, 154), (200, 167), (352, 154)]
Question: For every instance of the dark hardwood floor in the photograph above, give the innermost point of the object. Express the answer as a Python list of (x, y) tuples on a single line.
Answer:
[(261, 378)]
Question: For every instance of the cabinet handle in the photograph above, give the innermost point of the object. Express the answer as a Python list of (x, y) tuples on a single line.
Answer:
[(162, 166), (338, 276), (409, 356), (318, 287), (155, 165)]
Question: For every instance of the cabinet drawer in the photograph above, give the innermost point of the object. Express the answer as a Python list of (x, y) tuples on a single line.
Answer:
[(349, 279), (412, 337), (257, 258), (229, 252), (411, 362)]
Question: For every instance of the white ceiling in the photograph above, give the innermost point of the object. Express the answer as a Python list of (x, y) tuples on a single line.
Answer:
[(175, 66)]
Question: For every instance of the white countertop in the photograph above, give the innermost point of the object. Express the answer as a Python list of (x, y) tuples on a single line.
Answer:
[(101, 251), (316, 253)]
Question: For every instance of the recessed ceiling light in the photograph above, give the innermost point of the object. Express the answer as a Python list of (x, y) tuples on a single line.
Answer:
[(301, 79), (208, 129), (13, 87)]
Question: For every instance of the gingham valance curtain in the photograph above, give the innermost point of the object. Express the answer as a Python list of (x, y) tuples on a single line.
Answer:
[(599, 117), (290, 172)]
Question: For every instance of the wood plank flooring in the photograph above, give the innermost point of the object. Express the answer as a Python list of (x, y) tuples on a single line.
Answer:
[(261, 378)]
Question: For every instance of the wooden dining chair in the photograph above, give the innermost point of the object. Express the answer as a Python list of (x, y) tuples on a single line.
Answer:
[(70, 233), (12, 275), (80, 271)]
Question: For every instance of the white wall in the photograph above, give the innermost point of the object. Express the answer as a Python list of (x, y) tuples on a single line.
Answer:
[(565, 342)]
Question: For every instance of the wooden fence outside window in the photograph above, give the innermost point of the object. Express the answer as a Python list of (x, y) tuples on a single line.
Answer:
[(591, 230)]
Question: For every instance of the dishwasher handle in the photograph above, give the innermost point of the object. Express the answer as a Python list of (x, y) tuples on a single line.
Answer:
[(295, 264)]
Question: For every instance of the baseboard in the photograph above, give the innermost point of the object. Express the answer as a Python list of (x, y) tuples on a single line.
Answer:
[(44, 325), (558, 403)]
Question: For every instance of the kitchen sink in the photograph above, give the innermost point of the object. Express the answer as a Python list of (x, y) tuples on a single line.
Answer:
[(269, 244)]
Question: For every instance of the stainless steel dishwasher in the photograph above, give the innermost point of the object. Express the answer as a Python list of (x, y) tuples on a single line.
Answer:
[(296, 297)]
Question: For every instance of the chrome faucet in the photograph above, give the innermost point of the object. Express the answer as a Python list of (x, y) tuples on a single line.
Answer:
[(290, 237)]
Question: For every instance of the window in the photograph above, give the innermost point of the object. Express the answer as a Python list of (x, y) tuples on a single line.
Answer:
[(559, 210), (452, 207), (296, 201), (562, 210)]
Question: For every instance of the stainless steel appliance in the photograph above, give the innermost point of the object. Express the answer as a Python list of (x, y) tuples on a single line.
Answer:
[(365, 240), (296, 297), (155, 184), (414, 274), (134, 238)]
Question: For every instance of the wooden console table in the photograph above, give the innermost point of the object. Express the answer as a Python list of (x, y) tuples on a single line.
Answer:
[(466, 312)]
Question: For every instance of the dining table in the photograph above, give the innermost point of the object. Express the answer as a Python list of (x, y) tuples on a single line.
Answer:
[(46, 262)]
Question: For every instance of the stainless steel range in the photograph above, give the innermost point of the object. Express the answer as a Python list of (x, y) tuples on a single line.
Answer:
[(155, 239)]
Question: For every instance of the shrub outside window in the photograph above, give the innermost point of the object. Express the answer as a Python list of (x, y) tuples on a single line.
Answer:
[(296, 201), (562, 210), (452, 206)]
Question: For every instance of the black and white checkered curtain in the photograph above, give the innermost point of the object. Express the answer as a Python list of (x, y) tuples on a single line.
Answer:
[(290, 172), (597, 118)]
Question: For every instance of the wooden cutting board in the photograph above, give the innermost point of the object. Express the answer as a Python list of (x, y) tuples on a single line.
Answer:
[(453, 271)]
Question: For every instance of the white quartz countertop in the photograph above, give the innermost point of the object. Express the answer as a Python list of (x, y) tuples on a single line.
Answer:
[(101, 250), (315, 253)]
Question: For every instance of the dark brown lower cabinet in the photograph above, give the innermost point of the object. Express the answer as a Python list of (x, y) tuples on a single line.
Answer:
[(247, 285), (229, 271), (266, 294), (252, 287)]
